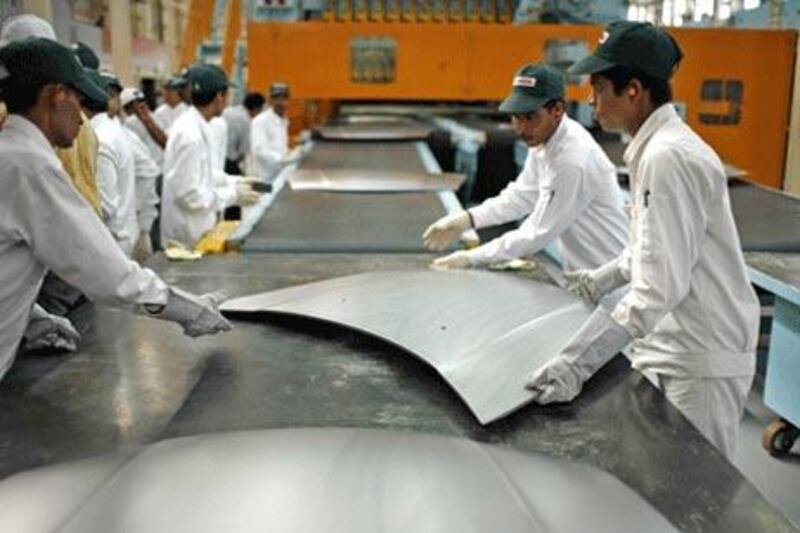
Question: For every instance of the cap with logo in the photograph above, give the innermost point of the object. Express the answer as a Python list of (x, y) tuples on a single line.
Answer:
[(533, 86), (278, 89), (205, 78), (129, 95), (35, 62), (635, 45)]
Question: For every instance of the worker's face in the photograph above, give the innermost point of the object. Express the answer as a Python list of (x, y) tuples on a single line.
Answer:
[(219, 103), (611, 110), (536, 128), (279, 104), (64, 114), (114, 105), (172, 97)]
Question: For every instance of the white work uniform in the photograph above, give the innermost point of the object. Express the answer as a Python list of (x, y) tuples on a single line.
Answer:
[(238, 119), (116, 181), (690, 306), (147, 172), (46, 224), (166, 115), (569, 192), (138, 127), (193, 192), (269, 144), (219, 130)]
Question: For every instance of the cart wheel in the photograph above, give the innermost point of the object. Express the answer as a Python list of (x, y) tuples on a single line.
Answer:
[(779, 436)]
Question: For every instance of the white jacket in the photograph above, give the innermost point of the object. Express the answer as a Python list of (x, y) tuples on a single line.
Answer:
[(137, 127), (219, 130), (238, 119), (690, 307), (147, 172), (46, 224), (269, 144), (166, 115), (116, 180), (569, 192), (193, 192)]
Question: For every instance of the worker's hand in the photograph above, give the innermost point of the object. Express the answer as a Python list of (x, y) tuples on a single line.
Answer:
[(198, 315), (455, 260), (48, 331), (597, 342), (249, 180), (143, 248), (592, 285), (141, 110), (245, 195), (442, 232), (290, 159)]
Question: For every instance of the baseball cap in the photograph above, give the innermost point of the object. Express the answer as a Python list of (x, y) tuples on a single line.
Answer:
[(533, 86)]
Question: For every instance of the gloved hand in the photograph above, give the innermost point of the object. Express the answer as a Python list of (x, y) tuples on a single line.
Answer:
[(442, 232), (249, 180), (45, 330), (592, 285), (455, 260), (198, 315), (596, 343), (245, 195), (143, 248), (290, 159)]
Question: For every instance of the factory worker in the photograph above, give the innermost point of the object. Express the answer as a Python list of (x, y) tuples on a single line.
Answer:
[(147, 127), (239, 118), (174, 106), (689, 309), (219, 132), (567, 191), (48, 225), (269, 135), (194, 190), (116, 178)]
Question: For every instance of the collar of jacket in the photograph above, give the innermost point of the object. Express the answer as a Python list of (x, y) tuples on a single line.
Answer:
[(658, 118), (543, 151), (21, 126)]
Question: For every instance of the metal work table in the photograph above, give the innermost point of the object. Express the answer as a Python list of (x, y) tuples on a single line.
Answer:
[(138, 380)]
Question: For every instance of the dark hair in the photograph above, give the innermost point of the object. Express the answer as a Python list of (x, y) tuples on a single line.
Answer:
[(620, 77), (254, 101), (550, 104), (20, 98), (203, 98)]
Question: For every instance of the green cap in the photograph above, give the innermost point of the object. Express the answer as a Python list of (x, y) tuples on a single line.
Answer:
[(36, 62), (111, 80), (176, 82), (207, 78), (635, 45), (98, 79), (86, 56), (533, 86)]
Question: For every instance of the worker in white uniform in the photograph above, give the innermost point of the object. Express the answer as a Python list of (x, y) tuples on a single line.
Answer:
[(194, 191), (147, 127), (568, 188), (116, 178), (173, 106), (690, 310), (239, 118), (269, 135), (46, 224)]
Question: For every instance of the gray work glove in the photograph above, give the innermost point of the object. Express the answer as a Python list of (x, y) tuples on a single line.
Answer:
[(198, 315), (143, 248), (245, 195), (595, 344), (592, 285), (454, 261), (50, 331), (442, 232)]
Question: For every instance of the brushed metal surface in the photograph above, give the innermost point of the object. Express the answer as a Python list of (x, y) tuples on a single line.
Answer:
[(373, 132), (366, 181), (320, 480), (483, 332)]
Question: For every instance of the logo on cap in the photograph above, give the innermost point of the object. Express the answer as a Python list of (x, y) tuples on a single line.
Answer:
[(524, 81), (603, 38)]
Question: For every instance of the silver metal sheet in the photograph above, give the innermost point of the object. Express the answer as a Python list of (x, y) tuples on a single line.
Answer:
[(483, 332), (374, 132), (322, 480), (367, 181)]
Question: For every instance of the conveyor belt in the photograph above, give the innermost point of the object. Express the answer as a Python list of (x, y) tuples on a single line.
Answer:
[(365, 155), (768, 221)]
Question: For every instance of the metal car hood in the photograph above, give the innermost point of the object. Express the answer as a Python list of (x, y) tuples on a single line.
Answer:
[(369, 180)]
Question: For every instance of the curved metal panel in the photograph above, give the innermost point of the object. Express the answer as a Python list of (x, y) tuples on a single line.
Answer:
[(372, 181), (373, 132), (483, 332), (320, 480)]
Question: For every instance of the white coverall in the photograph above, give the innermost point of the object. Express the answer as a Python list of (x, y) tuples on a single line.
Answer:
[(219, 130), (193, 191), (137, 127), (269, 144), (46, 224), (147, 172), (166, 115), (690, 308), (116, 180), (238, 119), (569, 192)]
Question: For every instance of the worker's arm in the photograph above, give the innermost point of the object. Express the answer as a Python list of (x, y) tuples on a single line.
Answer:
[(150, 123), (557, 208), (517, 200)]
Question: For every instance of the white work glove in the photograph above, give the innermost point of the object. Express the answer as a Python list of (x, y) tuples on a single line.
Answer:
[(455, 260), (592, 285), (595, 344), (442, 232), (143, 248), (45, 330), (290, 159), (245, 195), (198, 315)]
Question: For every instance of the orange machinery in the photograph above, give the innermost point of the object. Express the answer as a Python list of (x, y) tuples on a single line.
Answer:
[(736, 84)]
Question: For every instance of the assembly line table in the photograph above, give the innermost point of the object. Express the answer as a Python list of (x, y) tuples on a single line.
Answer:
[(136, 380)]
